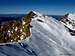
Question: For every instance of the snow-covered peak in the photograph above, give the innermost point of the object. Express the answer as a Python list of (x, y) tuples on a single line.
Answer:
[(37, 16), (37, 13), (71, 16)]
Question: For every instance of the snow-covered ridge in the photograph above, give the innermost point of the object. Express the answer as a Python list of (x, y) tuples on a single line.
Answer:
[(69, 21), (54, 34), (39, 17)]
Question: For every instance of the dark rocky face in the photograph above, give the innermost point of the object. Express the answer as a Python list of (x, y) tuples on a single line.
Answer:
[(15, 30), (28, 17)]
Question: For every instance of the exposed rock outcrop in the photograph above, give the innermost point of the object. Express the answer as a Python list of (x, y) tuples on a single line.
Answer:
[(16, 30)]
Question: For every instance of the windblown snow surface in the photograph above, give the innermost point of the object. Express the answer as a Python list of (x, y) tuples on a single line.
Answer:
[(49, 38)]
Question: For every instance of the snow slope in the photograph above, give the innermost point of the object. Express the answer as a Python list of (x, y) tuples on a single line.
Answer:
[(49, 38)]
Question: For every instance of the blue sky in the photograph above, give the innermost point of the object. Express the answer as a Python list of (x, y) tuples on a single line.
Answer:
[(51, 7)]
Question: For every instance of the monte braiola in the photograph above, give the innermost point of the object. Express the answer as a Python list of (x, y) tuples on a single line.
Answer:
[(16, 30)]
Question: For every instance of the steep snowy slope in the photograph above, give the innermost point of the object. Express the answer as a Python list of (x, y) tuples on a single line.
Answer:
[(49, 38)]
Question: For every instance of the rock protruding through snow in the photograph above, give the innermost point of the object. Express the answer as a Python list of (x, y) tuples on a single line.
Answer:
[(69, 21)]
